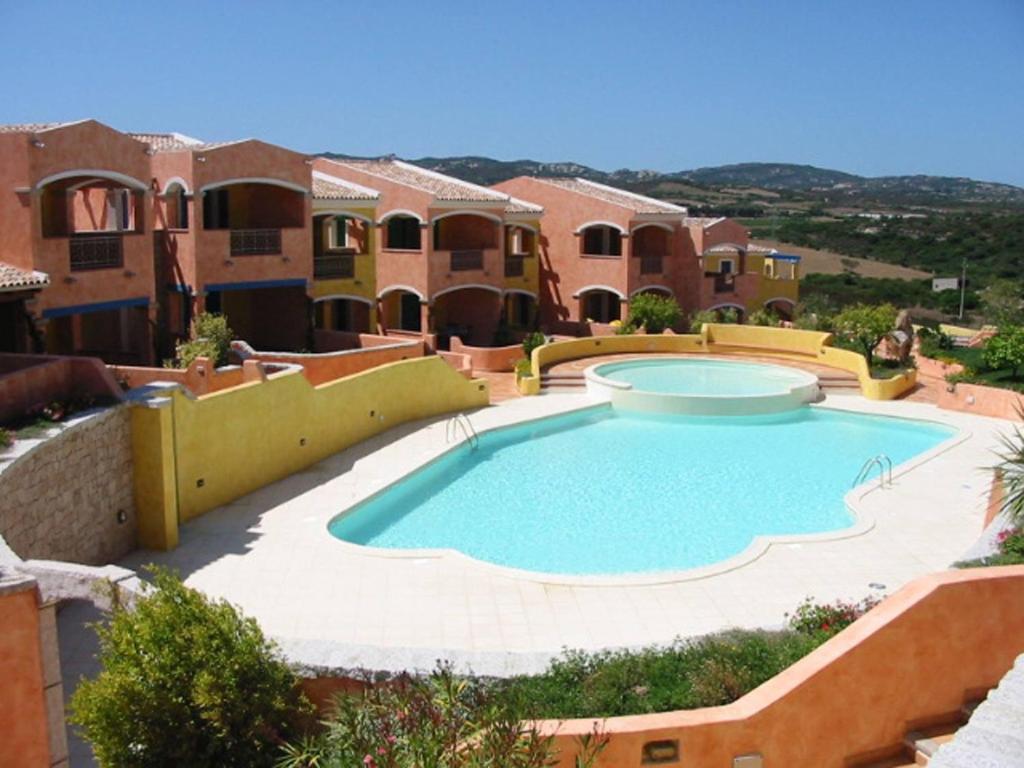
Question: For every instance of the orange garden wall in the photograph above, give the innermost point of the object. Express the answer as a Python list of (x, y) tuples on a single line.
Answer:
[(917, 656), (322, 367), (489, 358), (200, 378), (27, 381), (24, 739), (984, 401)]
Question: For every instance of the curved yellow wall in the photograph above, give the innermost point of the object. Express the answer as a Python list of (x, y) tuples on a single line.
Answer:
[(787, 343)]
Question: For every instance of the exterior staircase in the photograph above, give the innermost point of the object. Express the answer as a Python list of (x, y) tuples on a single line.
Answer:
[(919, 746), (839, 382), (562, 383)]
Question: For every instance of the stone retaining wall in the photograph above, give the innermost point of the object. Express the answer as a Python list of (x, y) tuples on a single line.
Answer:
[(60, 500)]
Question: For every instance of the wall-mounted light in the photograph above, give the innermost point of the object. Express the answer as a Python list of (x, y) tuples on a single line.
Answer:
[(149, 151), (129, 273), (200, 159), (308, 161), (122, 517), (228, 263), (38, 143)]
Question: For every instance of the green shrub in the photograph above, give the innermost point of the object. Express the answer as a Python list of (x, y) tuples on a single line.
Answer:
[(935, 344), (828, 619), (865, 326), (524, 368), (210, 337), (1009, 551), (699, 318), (765, 317), (625, 329), (653, 312), (442, 721), (186, 680), (1006, 350), (6, 438), (532, 341)]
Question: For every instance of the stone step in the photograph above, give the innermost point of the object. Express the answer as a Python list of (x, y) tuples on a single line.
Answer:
[(926, 742)]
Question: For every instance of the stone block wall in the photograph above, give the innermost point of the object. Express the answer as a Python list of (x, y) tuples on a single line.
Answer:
[(60, 500)]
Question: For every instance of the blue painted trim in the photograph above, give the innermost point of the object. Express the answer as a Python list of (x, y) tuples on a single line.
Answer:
[(103, 306), (245, 286), (179, 288), (783, 257)]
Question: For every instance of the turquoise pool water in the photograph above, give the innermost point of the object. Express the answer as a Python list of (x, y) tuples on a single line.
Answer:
[(703, 377), (614, 492)]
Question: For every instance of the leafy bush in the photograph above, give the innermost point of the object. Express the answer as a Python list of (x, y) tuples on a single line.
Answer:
[(828, 619), (624, 329), (697, 319), (1006, 350), (685, 675), (211, 337), (765, 317), (1009, 551), (532, 341), (866, 326), (653, 312), (523, 368), (442, 721), (186, 681), (6, 439), (1003, 302), (935, 344)]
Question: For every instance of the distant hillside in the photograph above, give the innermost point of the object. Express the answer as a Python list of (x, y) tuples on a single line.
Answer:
[(744, 182)]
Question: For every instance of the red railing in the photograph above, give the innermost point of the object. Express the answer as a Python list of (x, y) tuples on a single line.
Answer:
[(99, 250), (255, 242)]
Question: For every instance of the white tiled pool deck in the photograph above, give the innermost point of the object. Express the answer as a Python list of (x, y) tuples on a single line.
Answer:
[(338, 607)]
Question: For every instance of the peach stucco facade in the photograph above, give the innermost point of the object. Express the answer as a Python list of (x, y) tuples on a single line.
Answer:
[(59, 188)]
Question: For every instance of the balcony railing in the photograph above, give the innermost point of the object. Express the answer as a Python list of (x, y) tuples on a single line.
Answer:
[(255, 242), (336, 265), (650, 264), (724, 282), (96, 251), (465, 261), (514, 266)]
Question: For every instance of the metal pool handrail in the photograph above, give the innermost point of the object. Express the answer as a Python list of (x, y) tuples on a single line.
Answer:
[(884, 471), (452, 428)]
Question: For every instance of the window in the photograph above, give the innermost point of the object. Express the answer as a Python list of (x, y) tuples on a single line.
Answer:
[(409, 312), (177, 207), (119, 210), (403, 233), (602, 241), (602, 306), (339, 232), (725, 267), (521, 310), (521, 243), (215, 209)]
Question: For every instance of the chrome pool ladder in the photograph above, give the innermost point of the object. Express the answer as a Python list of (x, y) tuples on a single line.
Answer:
[(884, 464), (452, 430)]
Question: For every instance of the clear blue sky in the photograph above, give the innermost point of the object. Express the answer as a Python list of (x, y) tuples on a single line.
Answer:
[(901, 86)]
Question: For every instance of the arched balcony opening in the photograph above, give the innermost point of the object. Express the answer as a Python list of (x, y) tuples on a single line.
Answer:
[(255, 212), (403, 232), (600, 306), (400, 310), (337, 240), (652, 245), (335, 313), (175, 207), (465, 237), (472, 313)]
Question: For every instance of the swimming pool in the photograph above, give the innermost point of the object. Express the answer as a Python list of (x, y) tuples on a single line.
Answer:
[(702, 386), (607, 492)]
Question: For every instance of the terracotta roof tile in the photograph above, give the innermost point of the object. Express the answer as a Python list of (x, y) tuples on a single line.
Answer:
[(327, 187), (630, 200), (13, 279), (442, 187), (167, 142), (515, 205)]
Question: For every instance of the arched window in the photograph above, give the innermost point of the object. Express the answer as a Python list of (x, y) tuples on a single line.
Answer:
[(177, 207), (601, 240)]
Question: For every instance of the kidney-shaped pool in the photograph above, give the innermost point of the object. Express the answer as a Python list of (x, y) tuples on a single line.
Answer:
[(605, 491)]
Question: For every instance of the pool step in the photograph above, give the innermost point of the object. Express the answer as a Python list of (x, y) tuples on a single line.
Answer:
[(838, 382), (562, 382)]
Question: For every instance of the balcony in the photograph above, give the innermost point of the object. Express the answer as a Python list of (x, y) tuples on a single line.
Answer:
[(651, 264), (514, 266), (724, 282), (255, 242), (467, 260), (335, 265), (96, 250)]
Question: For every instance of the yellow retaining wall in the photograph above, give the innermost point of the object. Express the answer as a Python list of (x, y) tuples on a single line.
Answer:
[(786, 343), (230, 443)]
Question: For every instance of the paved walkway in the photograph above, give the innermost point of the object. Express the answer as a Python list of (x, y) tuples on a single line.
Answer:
[(336, 606)]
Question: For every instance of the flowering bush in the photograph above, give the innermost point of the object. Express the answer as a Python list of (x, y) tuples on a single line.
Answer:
[(813, 618)]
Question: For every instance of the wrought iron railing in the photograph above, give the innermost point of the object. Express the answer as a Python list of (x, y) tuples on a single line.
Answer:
[(255, 242), (650, 264), (514, 266), (101, 250), (464, 261), (341, 265)]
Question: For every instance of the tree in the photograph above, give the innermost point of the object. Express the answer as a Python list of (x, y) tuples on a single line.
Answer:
[(727, 316), (655, 313), (1006, 349), (186, 681), (765, 317), (865, 325), (1003, 302), (210, 337)]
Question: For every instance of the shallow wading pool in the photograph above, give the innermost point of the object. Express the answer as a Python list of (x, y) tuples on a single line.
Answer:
[(702, 386), (607, 491)]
